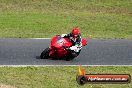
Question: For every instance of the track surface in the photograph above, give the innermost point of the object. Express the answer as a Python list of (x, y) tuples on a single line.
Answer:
[(97, 52)]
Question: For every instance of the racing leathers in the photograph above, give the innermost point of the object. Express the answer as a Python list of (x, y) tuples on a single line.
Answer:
[(76, 43)]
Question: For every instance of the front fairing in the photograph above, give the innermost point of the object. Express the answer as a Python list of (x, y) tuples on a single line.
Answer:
[(57, 44)]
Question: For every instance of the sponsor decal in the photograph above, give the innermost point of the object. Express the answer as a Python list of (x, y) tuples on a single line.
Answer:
[(84, 78)]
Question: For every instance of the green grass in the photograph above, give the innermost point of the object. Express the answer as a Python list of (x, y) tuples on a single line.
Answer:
[(47, 18), (58, 77)]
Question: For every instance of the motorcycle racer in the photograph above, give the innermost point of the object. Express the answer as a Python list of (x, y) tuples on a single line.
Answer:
[(75, 39), (65, 46)]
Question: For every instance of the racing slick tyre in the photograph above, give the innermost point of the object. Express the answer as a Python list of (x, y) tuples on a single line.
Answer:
[(72, 55), (81, 80), (45, 54)]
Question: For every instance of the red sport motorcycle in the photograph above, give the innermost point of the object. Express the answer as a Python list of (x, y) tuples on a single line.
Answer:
[(59, 49)]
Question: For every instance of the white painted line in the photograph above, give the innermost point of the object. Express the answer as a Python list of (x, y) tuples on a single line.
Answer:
[(58, 65), (39, 38)]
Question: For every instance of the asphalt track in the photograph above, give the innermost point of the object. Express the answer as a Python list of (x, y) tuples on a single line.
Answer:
[(97, 52)]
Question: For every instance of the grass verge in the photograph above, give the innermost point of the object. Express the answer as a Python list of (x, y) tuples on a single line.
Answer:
[(58, 77), (47, 18)]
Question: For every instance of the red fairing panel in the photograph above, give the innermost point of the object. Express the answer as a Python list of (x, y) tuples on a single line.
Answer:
[(56, 47)]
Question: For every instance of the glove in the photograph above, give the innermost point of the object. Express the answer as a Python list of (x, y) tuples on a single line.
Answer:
[(63, 35)]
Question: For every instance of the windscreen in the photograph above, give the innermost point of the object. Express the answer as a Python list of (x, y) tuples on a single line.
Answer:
[(60, 40)]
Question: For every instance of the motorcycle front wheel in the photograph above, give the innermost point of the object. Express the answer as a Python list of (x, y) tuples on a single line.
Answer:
[(45, 54)]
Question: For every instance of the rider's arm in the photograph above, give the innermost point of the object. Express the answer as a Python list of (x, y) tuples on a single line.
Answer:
[(78, 46), (79, 43)]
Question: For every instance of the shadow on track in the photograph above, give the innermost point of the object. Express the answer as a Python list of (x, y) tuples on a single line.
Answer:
[(38, 57)]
